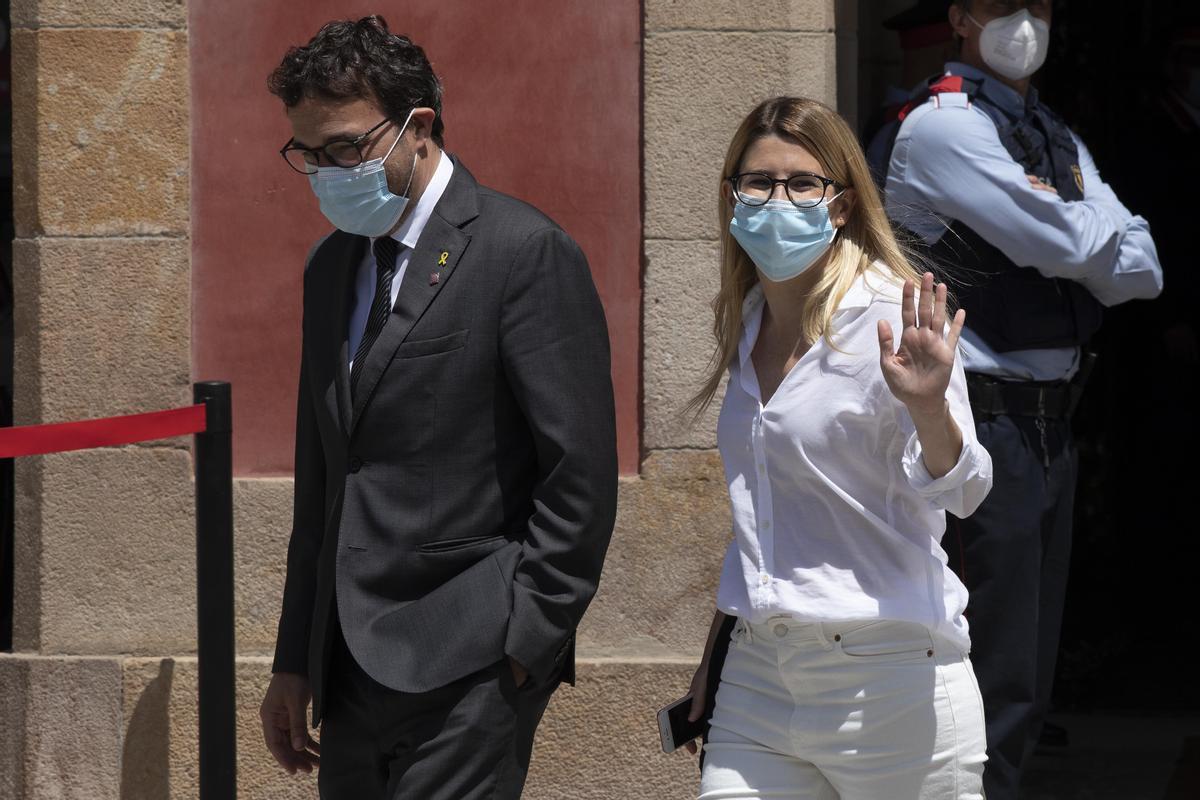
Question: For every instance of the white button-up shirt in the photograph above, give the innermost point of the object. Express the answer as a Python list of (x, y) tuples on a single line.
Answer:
[(834, 515)]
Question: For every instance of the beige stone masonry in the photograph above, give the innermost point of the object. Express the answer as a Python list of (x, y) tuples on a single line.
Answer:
[(108, 553), (101, 128), (63, 726), (790, 15), (98, 13), (262, 514), (681, 280), (102, 327), (658, 589)]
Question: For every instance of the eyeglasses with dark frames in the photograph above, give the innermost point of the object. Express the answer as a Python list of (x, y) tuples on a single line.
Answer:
[(340, 153), (803, 189)]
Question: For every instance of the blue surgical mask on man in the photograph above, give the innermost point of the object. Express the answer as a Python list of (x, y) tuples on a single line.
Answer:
[(781, 239), (357, 199)]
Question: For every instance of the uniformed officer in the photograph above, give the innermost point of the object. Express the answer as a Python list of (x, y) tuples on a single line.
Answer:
[(1014, 211)]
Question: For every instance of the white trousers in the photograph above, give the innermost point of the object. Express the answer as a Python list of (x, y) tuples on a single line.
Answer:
[(858, 711)]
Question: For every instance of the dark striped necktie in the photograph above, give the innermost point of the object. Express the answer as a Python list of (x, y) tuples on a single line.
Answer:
[(385, 248)]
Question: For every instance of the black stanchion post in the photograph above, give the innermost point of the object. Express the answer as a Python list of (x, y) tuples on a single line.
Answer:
[(214, 594)]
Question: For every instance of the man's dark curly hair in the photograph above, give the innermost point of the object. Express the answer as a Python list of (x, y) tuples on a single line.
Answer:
[(361, 59)]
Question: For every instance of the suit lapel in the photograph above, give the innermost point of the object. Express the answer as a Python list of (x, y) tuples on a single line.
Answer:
[(438, 249)]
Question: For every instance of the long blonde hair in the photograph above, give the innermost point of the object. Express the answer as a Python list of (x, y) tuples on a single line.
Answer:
[(865, 238)]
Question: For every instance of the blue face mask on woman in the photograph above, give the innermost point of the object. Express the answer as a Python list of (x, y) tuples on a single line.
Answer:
[(357, 199), (781, 239)]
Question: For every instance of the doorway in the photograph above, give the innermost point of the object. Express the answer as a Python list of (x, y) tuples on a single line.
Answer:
[(1119, 74)]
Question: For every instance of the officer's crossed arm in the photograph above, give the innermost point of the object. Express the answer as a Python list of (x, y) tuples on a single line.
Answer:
[(958, 168)]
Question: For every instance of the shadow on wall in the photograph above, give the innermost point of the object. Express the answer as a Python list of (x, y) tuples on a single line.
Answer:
[(145, 757)]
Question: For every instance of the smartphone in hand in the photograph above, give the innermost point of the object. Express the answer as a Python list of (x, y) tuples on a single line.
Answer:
[(674, 729)]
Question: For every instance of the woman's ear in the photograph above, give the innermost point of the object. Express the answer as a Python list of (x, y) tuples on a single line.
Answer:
[(727, 193), (841, 209)]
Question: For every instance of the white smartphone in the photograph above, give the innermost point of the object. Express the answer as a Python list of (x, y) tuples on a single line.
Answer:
[(674, 729)]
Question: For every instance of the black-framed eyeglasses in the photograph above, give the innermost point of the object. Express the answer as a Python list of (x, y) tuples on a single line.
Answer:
[(804, 189), (340, 153)]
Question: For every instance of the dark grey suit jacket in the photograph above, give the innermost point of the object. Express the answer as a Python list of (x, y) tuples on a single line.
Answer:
[(459, 509)]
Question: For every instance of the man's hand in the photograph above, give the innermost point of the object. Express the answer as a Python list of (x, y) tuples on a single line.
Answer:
[(520, 674), (284, 718), (1040, 185)]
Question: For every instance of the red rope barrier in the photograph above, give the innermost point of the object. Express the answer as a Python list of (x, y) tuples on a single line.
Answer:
[(33, 440)]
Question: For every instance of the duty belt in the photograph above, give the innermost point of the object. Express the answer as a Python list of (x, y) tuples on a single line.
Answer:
[(1041, 399)]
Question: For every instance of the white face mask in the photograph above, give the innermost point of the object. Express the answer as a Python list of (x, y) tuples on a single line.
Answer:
[(1014, 46)]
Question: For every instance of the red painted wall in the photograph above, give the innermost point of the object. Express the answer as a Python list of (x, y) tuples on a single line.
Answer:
[(542, 101)]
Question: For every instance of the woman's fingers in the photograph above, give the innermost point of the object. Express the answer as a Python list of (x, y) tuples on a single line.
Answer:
[(938, 323), (925, 314), (908, 308), (886, 341), (956, 327)]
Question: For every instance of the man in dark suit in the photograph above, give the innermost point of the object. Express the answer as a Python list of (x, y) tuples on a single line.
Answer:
[(455, 446)]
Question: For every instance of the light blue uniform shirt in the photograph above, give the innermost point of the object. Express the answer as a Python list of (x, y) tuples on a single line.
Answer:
[(948, 164)]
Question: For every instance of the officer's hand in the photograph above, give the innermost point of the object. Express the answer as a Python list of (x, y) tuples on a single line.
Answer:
[(1040, 185), (285, 727), (919, 372)]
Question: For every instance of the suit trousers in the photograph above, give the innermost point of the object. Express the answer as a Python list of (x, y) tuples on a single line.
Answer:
[(469, 740), (1013, 555), (870, 710)]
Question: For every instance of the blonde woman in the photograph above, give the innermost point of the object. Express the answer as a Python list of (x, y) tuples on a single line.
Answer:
[(846, 435)]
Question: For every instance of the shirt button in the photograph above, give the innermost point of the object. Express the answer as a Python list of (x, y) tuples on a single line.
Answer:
[(766, 525), (765, 579), (781, 630)]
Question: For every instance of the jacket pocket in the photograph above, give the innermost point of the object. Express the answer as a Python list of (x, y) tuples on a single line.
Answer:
[(432, 347), (455, 545)]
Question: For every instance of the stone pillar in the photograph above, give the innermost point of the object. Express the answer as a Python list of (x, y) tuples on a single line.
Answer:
[(103, 539)]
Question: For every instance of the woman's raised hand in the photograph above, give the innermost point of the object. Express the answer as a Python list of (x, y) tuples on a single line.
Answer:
[(919, 371)]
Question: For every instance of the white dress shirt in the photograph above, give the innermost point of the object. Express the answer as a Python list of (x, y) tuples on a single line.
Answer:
[(407, 234), (835, 517)]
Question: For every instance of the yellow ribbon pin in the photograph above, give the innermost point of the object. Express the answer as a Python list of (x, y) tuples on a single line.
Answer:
[(442, 259)]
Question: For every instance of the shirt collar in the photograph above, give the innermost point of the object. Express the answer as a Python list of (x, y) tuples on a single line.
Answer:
[(410, 230), (869, 286), (999, 93), (752, 308), (866, 289)]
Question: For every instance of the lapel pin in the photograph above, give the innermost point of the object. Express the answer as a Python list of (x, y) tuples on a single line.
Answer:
[(436, 275)]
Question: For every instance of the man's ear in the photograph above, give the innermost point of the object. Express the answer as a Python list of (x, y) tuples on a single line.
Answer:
[(958, 20), (421, 124)]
